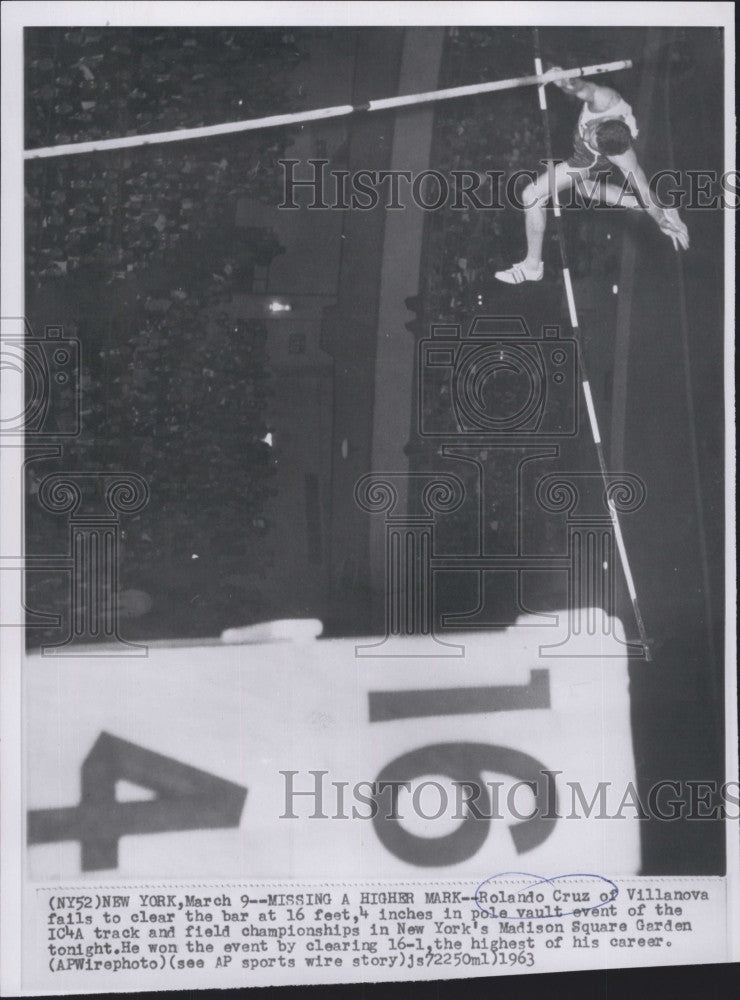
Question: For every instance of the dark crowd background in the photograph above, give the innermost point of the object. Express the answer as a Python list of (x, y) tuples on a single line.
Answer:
[(137, 251)]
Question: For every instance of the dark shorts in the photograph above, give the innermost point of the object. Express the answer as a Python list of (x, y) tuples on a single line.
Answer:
[(584, 157)]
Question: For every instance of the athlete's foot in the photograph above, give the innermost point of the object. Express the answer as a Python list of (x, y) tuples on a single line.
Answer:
[(518, 273)]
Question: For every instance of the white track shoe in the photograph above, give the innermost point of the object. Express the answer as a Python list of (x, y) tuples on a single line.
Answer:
[(519, 273)]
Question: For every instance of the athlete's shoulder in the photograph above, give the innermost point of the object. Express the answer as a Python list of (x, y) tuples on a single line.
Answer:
[(605, 98)]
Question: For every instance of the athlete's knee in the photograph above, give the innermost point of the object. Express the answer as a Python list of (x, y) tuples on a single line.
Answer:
[(532, 196)]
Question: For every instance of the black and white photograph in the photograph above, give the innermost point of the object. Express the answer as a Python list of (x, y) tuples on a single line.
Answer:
[(367, 467)]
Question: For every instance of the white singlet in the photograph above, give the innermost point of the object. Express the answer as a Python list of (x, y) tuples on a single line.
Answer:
[(620, 109)]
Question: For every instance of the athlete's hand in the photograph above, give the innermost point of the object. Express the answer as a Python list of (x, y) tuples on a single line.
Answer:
[(570, 85), (552, 71), (675, 230)]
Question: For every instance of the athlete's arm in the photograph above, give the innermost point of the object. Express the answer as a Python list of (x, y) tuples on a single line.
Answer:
[(600, 98), (574, 86)]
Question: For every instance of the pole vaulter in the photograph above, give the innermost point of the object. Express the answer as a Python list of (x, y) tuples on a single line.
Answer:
[(299, 117)]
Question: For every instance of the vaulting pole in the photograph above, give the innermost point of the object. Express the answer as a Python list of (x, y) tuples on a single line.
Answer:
[(298, 117)]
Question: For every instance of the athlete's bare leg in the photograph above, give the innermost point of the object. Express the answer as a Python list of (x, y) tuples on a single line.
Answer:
[(534, 198), (598, 192)]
